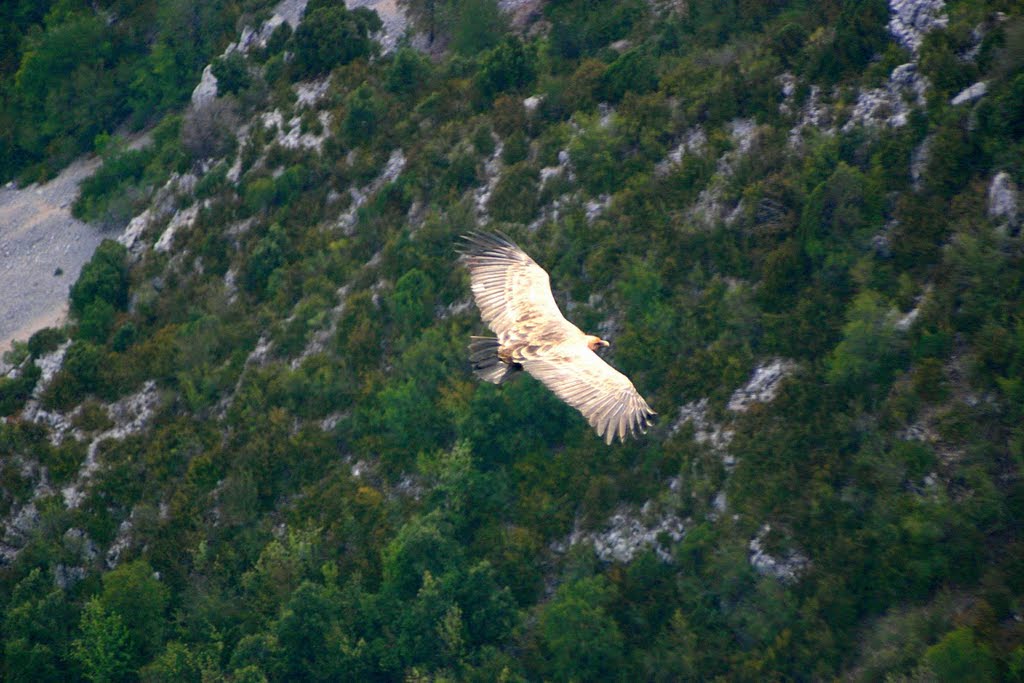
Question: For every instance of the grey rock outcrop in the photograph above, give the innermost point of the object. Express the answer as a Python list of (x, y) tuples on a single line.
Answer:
[(763, 385), (65, 577), (694, 141), (814, 115), (289, 133), (627, 533), (392, 169), (710, 209), (1003, 203), (492, 174), (206, 89), (286, 12), (705, 430), (17, 532), (79, 543), (162, 205), (130, 415), (911, 20), (888, 106), (182, 219), (970, 94), (394, 20), (787, 568), (919, 159)]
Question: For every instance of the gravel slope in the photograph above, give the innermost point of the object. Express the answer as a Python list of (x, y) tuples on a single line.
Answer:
[(37, 236)]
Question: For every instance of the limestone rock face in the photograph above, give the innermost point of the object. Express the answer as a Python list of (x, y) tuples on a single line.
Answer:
[(787, 569), (694, 141), (888, 106), (763, 385), (705, 430), (206, 90), (911, 20), (394, 20), (19, 530), (130, 415), (1003, 200), (970, 94), (627, 533), (813, 115), (65, 577)]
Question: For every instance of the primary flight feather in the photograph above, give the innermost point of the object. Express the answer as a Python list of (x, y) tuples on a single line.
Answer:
[(514, 296)]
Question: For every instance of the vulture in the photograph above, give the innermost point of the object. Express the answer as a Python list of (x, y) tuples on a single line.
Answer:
[(513, 294)]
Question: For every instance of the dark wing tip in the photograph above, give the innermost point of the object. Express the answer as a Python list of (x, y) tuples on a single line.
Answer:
[(642, 421), (636, 422), (479, 243)]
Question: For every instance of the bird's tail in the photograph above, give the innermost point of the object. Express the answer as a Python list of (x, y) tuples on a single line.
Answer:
[(487, 365)]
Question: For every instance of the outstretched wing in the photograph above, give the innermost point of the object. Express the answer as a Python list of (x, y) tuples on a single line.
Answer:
[(604, 395), (512, 292)]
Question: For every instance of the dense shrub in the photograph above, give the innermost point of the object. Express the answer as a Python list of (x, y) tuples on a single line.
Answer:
[(365, 110), (120, 170), (104, 278), (14, 391), (208, 129), (45, 340), (331, 36), (509, 66), (232, 74), (515, 196)]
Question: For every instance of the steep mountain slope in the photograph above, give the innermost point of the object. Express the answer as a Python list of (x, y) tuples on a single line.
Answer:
[(259, 454)]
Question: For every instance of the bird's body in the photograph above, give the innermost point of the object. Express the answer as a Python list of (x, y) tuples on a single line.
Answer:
[(513, 294)]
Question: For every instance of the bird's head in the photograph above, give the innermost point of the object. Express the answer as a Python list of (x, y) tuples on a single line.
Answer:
[(594, 342)]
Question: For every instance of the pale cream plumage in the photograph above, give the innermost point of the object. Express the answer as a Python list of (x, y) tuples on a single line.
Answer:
[(513, 294)]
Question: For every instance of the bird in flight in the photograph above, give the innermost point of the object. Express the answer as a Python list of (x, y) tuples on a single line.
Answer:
[(513, 294)]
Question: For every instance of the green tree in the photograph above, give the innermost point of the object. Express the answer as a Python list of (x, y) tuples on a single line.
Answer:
[(14, 391), (365, 111), (959, 657), (860, 33), (407, 73), (478, 25), (84, 372), (65, 84), (583, 640), (595, 155), (232, 74), (177, 663), (511, 65), (133, 594), (266, 257), (331, 36), (102, 650), (515, 196), (635, 71), (412, 303), (420, 546), (185, 35), (104, 278), (36, 630), (96, 321), (842, 209), (312, 634), (870, 349)]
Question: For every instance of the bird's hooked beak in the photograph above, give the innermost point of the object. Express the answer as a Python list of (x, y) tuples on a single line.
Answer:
[(604, 342)]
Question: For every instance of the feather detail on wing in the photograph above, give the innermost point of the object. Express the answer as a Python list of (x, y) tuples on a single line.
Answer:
[(514, 296), (512, 292), (605, 397)]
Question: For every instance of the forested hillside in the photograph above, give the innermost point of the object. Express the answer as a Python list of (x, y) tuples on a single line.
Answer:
[(257, 452)]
